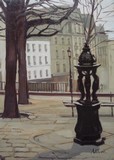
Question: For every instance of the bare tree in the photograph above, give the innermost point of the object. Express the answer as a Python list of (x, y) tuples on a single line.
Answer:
[(42, 19), (94, 13), (23, 20), (94, 18)]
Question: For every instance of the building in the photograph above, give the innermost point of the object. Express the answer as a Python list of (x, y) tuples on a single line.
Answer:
[(38, 60), (37, 57), (102, 54), (72, 36), (111, 65)]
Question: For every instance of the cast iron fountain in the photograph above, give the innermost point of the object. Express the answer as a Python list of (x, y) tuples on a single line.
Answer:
[(88, 128)]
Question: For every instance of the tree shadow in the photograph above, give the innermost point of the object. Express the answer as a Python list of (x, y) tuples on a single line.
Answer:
[(66, 154)]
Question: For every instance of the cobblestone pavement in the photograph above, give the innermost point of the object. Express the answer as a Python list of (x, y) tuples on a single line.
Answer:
[(48, 133)]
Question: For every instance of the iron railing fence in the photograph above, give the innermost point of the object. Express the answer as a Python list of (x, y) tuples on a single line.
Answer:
[(48, 87), (42, 86), (52, 88)]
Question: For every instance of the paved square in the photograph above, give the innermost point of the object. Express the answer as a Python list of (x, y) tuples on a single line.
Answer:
[(49, 131)]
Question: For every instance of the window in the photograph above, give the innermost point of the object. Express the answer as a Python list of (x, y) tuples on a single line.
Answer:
[(55, 40), (0, 63), (33, 47), (57, 54), (40, 60), (46, 62), (39, 47), (57, 67), (64, 68), (79, 28), (46, 72), (29, 74), (62, 40), (63, 53), (76, 56), (83, 40), (45, 47), (75, 46), (76, 29), (34, 60), (28, 57), (68, 41), (79, 41), (40, 73), (28, 47), (69, 28), (0, 76), (35, 76)]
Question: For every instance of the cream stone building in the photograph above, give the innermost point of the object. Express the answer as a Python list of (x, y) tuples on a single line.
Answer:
[(102, 55), (72, 36), (111, 64)]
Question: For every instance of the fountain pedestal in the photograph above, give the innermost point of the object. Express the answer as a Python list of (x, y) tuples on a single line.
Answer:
[(88, 128)]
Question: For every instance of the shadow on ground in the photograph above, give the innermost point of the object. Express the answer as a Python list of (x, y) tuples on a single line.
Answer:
[(76, 151)]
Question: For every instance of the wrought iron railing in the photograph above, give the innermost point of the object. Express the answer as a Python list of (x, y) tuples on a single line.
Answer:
[(42, 86), (52, 88)]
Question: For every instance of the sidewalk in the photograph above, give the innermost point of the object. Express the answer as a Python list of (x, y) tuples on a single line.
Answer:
[(48, 133)]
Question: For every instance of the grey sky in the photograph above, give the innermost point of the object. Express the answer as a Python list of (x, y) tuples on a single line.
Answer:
[(108, 19)]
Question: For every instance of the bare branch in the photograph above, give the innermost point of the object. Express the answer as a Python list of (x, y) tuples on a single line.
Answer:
[(100, 42), (2, 6), (52, 20), (91, 20), (2, 17), (27, 2), (41, 34)]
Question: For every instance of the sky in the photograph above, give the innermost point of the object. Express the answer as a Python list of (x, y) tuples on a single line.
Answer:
[(108, 20)]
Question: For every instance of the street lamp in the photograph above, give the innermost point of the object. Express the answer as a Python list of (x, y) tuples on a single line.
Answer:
[(70, 74), (66, 103), (70, 79)]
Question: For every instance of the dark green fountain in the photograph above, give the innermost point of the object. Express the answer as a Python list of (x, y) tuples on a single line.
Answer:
[(88, 128)]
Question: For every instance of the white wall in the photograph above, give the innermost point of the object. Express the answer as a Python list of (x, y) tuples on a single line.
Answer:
[(38, 60), (2, 59), (32, 67)]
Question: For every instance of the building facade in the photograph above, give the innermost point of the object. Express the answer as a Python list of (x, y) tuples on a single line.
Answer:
[(72, 36), (111, 65), (38, 60), (102, 54)]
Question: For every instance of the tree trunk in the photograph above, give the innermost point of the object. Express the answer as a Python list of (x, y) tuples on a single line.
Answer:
[(10, 102), (23, 88)]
